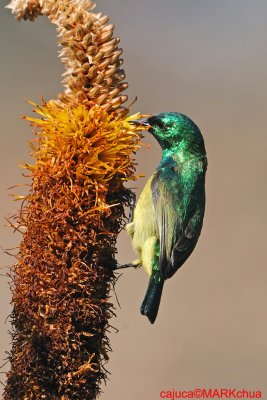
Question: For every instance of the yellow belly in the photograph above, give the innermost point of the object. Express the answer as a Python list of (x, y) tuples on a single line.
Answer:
[(143, 229)]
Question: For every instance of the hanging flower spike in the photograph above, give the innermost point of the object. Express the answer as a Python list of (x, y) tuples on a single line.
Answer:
[(72, 215)]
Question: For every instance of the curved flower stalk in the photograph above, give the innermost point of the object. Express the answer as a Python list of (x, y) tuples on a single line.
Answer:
[(72, 214), (90, 53)]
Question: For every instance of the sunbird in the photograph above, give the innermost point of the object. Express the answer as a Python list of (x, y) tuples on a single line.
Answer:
[(168, 216)]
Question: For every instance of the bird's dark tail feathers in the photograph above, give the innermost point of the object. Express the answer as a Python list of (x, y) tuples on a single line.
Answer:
[(151, 302)]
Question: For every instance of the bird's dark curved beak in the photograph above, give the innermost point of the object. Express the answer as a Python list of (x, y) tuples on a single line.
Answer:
[(142, 122)]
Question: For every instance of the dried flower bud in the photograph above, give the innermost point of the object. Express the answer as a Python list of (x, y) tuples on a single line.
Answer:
[(87, 40), (101, 99), (114, 92), (107, 28), (104, 37), (110, 71), (116, 55), (91, 50), (81, 55), (99, 78), (92, 72), (80, 32), (94, 91), (103, 64), (98, 56)]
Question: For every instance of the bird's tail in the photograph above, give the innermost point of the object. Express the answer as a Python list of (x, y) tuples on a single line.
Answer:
[(151, 302)]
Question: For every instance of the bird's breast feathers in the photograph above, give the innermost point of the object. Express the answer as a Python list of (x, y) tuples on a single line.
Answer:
[(144, 217)]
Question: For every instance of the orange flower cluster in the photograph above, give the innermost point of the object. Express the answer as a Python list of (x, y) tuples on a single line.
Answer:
[(62, 280)]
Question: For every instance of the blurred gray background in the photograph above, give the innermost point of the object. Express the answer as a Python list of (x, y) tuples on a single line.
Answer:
[(207, 59)]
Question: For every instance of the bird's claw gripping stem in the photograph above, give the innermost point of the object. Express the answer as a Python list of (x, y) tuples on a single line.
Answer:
[(125, 266)]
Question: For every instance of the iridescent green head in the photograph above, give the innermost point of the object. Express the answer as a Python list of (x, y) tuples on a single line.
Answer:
[(171, 128)]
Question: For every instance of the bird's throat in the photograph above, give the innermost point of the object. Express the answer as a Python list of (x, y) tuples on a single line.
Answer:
[(186, 154)]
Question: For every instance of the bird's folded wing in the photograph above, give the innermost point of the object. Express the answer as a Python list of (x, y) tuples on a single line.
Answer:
[(177, 236)]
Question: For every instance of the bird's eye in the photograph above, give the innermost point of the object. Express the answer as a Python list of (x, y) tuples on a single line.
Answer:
[(161, 125)]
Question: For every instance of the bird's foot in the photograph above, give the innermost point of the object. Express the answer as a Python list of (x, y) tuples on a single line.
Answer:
[(121, 266), (134, 264)]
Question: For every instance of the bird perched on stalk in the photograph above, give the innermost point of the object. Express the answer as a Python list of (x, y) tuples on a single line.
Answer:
[(168, 216)]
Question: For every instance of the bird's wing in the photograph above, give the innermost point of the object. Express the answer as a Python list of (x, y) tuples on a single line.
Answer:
[(186, 242), (177, 237)]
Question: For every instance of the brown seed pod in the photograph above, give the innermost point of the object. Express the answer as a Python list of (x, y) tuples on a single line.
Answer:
[(99, 78), (78, 17), (101, 99), (107, 106), (92, 72), (107, 28), (85, 67), (68, 26), (75, 47), (111, 43), (104, 37), (94, 91), (81, 96), (81, 55), (82, 79), (87, 39), (104, 19), (108, 82), (91, 50), (80, 32), (99, 55), (110, 71), (103, 64), (123, 86), (119, 76), (88, 25), (115, 56), (114, 92)]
